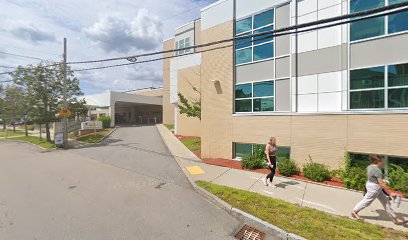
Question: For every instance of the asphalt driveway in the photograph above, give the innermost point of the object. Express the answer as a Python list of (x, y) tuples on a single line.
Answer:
[(126, 188)]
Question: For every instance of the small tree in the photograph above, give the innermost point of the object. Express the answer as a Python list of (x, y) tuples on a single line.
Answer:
[(78, 108), (14, 105), (43, 87), (193, 108), (2, 110)]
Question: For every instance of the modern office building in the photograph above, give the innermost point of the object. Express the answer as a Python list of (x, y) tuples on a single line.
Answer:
[(321, 92), (141, 106)]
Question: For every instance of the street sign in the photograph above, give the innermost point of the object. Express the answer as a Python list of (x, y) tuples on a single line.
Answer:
[(65, 113), (59, 138)]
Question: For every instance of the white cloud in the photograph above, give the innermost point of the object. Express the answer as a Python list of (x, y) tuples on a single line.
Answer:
[(94, 31), (121, 34), (27, 31)]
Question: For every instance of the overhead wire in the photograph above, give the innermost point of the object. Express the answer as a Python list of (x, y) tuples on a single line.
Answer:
[(391, 9), (323, 21)]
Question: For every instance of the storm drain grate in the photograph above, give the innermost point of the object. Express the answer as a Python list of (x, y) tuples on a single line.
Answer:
[(249, 233)]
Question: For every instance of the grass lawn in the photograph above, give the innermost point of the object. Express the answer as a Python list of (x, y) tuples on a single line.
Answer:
[(92, 138), (10, 133), (193, 144), (34, 140), (169, 126), (306, 222)]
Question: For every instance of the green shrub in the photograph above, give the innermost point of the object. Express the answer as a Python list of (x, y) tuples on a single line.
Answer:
[(288, 167), (255, 160), (353, 176), (316, 171), (106, 121), (398, 178)]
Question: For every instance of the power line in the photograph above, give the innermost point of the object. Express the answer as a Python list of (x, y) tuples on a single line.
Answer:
[(245, 37), (32, 50), (296, 27), (274, 33), (22, 56)]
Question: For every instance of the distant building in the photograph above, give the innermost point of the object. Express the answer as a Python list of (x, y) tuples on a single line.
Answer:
[(321, 93), (141, 106)]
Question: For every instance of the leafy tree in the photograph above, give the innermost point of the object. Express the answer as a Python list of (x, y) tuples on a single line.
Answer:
[(44, 90), (78, 108), (2, 107), (14, 105), (191, 109)]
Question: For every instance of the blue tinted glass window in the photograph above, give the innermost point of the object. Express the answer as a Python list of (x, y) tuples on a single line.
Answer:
[(362, 5), (243, 105), (397, 22), (264, 89), (398, 75), (243, 55), (244, 42), (243, 25), (367, 78), (242, 149), (264, 51), (264, 104), (263, 19), (367, 99), (398, 98), (243, 91), (367, 28), (263, 38)]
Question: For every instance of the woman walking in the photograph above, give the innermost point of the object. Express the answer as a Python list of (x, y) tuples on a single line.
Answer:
[(376, 188), (270, 152)]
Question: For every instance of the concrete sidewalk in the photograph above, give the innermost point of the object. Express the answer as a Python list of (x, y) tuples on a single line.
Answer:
[(329, 199)]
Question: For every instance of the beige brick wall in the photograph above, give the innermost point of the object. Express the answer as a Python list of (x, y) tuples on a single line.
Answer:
[(326, 137), (217, 99), (187, 79), (168, 108)]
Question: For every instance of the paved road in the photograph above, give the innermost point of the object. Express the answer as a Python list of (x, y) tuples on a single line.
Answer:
[(118, 190)]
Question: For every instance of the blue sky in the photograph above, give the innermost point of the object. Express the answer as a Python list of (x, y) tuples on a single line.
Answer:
[(95, 29)]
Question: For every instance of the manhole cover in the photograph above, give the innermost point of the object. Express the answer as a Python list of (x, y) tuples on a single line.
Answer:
[(249, 233)]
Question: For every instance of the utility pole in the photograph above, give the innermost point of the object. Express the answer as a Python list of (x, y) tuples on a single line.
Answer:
[(64, 94)]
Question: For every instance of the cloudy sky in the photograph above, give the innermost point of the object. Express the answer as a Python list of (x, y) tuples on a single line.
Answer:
[(95, 29)]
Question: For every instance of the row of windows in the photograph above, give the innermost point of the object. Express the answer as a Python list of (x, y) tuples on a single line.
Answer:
[(183, 43), (242, 149), (255, 97), (253, 49), (378, 26), (379, 87)]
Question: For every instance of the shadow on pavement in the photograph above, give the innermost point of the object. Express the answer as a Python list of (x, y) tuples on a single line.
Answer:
[(285, 184)]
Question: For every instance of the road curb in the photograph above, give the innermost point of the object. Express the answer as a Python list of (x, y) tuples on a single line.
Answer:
[(35, 145), (273, 231)]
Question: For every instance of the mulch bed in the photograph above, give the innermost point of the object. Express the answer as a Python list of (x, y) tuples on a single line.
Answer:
[(237, 165)]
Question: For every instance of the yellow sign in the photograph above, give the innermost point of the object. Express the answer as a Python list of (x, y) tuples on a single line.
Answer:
[(65, 113)]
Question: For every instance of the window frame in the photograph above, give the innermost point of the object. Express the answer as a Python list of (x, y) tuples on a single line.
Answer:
[(251, 32), (385, 88), (386, 28), (183, 52), (252, 98)]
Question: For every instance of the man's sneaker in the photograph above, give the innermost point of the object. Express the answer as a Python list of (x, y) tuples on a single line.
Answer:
[(265, 181)]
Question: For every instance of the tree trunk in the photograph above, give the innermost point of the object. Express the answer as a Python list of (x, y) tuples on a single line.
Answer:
[(4, 126), (47, 132), (14, 127), (26, 129), (40, 132)]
